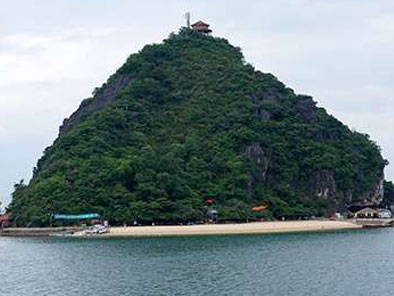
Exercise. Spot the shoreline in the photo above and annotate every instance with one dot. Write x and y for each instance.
(222, 229)
(268, 227)
(36, 231)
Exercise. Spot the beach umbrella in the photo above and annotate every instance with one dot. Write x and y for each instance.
(263, 206)
(258, 209)
(210, 201)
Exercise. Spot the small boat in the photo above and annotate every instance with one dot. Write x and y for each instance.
(94, 230)
(97, 229)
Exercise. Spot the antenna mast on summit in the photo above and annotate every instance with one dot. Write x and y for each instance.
(187, 16)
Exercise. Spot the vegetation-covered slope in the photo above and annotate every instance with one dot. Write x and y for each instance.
(188, 120)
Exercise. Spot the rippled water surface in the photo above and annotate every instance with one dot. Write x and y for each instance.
(357, 262)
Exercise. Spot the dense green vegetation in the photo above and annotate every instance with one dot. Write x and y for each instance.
(181, 132)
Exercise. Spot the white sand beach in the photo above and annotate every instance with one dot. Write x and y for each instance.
(245, 228)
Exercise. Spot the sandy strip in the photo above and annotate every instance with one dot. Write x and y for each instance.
(246, 228)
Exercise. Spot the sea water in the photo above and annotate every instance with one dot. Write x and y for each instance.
(357, 262)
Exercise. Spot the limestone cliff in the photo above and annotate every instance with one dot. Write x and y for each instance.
(189, 120)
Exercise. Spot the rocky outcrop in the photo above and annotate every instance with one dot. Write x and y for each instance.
(305, 108)
(259, 159)
(323, 184)
(372, 197)
(103, 97)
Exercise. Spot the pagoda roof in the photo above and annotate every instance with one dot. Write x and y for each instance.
(200, 23)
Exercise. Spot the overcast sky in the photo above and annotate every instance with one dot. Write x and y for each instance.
(53, 53)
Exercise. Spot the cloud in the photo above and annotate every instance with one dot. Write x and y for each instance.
(37, 57)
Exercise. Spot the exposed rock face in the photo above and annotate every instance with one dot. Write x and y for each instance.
(323, 184)
(373, 197)
(263, 114)
(104, 97)
(260, 160)
(306, 108)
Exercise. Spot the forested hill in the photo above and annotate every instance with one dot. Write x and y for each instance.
(187, 120)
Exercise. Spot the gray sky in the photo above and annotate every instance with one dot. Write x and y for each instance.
(53, 54)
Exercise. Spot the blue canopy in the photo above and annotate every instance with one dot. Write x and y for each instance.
(76, 217)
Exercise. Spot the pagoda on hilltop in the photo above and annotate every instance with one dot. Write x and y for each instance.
(201, 27)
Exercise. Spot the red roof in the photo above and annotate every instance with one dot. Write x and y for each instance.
(200, 23)
(5, 217)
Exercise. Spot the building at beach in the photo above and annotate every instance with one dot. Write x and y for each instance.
(366, 213)
(369, 213)
(384, 214)
(5, 220)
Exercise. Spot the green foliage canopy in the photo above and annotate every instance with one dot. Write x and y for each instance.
(179, 133)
